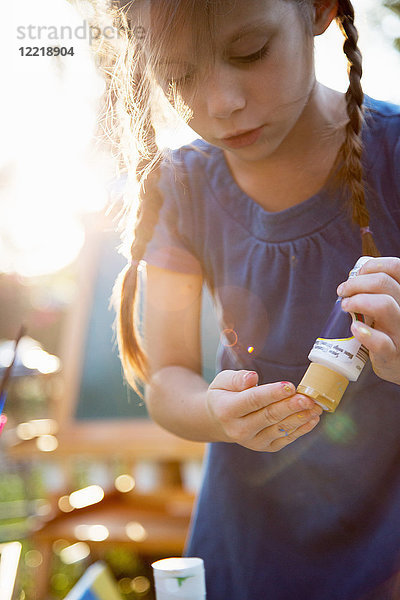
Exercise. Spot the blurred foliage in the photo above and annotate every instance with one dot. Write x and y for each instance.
(124, 565)
(42, 304)
(64, 576)
(20, 487)
(394, 5)
(11, 487)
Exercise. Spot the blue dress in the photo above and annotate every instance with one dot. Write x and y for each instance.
(320, 519)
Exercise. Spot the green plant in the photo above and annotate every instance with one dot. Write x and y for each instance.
(394, 5)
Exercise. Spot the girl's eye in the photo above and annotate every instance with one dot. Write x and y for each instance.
(180, 81)
(249, 58)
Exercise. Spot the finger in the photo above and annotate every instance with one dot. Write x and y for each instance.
(234, 381)
(371, 283)
(285, 437)
(294, 422)
(376, 342)
(290, 412)
(386, 264)
(381, 308)
(256, 398)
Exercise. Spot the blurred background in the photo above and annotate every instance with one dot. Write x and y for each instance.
(85, 475)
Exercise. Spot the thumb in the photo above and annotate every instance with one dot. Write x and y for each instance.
(234, 381)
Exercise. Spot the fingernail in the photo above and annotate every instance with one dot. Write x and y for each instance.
(344, 302)
(340, 289)
(363, 330)
(249, 376)
(287, 386)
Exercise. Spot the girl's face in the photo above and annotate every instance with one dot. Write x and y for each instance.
(251, 96)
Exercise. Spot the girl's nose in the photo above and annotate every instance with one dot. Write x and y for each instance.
(224, 93)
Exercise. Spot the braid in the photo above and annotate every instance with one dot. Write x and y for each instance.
(350, 153)
(137, 102)
(133, 357)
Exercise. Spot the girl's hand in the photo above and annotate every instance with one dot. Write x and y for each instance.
(264, 418)
(375, 293)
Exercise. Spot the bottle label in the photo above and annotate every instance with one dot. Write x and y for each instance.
(336, 340)
(337, 347)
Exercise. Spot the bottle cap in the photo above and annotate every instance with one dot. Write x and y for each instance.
(325, 386)
(179, 578)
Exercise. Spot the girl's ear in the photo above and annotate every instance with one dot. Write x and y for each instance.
(324, 13)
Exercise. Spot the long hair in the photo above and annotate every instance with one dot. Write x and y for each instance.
(350, 153)
(133, 86)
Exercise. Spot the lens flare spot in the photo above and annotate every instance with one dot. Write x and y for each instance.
(93, 533)
(59, 581)
(86, 496)
(47, 443)
(229, 338)
(136, 532)
(64, 504)
(74, 553)
(125, 585)
(140, 585)
(59, 545)
(124, 483)
(250, 349)
(33, 558)
(340, 428)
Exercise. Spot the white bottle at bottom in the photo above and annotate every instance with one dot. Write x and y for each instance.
(179, 579)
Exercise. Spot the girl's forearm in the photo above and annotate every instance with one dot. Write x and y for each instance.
(176, 399)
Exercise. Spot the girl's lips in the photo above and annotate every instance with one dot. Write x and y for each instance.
(242, 139)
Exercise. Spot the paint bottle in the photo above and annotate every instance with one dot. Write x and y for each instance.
(179, 579)
(336, 356)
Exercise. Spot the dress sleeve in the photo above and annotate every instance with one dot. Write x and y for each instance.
(170, 246)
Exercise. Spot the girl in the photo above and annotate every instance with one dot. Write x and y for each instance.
(258, 209)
